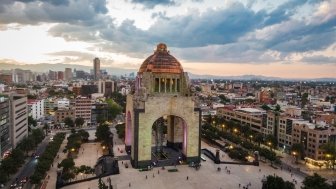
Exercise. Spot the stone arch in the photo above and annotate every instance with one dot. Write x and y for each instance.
(173, 122)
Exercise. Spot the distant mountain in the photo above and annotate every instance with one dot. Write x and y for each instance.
(45, 67)
(258, 78)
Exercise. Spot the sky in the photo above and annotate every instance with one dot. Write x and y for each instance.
(291, 39)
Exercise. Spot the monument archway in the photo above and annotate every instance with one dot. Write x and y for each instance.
(162, 90)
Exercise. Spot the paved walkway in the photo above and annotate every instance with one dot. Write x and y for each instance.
(51, 182)
(206, 177)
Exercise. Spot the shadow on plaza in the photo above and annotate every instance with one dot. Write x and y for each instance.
(106, 165)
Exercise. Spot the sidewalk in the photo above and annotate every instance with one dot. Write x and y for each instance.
(51, 182)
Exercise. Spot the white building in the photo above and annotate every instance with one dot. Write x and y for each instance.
(63, 103)
(36, 108)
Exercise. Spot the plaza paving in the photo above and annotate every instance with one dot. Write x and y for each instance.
(206, 177)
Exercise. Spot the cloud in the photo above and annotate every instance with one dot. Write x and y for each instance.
(319, 59)
(51, 11)
(236, 33)
(149, 4)
(75, 57)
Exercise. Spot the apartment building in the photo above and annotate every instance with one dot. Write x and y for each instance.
(312, 136)
(83, 107)
(61, 114)
(19, 118)
(253, 117)
(36, 108)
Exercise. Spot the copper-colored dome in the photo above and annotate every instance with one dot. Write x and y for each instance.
(161, 62)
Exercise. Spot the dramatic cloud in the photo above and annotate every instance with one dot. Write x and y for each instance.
(230, 32)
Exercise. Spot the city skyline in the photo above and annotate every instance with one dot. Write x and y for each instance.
(289, 39)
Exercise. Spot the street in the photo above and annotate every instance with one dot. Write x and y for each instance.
(29, 167)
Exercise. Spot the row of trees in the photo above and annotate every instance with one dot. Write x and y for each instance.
(70, 171)
(79, 121)
(14, 161)
(311, 182)
(232, 135)
(47, 158)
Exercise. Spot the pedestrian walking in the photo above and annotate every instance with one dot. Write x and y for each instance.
(129, 184)
(146, 177)
(239, 185)
(187, 178)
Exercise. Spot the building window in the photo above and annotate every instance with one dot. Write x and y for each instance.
(168, 85)
(162, 85)
(177, 85)
(157, 85)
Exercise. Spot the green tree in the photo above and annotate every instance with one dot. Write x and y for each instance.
(121, 130)
(315, 182)
(246, 130)
(32, 121)
(271, 141)
(79, 121)
(38, 136)
(113, 109)
(27, 144)
(67, 164)
(84, 135)
(330, 152)
(277, 108)
(18, 156)
(297, 150)
(46, 128)
(259, 138)
(275, 182)
(9, 165)
(103, 133)
(69, 122)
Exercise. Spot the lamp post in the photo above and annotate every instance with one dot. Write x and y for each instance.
(235, 130)
(295, 156)
(270, 145)
(223, 126)
(328, 156)
(251, 136)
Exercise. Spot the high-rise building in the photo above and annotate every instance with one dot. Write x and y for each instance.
(106, 87)
(5, 143)
(19, 118)
(60, 75)
(68, 74)
(96, 68)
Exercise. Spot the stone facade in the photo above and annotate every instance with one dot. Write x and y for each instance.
(161, 91)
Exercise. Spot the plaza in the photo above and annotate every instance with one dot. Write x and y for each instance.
(206, 177)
